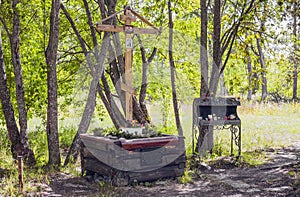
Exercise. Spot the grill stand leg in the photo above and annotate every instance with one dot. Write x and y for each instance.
(236, 138)
(204, 139)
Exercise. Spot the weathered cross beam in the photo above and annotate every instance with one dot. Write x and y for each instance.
(128, 17)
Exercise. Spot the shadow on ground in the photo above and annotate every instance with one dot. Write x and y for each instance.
(279, 177)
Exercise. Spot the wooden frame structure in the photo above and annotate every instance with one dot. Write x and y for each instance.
(128, 17)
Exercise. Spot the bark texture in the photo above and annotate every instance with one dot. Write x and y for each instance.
(145, 73)
(8, 111)
(264, 92)
(14, 38)
(96, 72)
(52, 109)
(249, 69)
(27, 153)
(172, 71)
(296, 48)
(217, 57)
(203, 50)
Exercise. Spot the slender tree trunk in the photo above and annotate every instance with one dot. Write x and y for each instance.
(97, 72)
(263, 72)
(203, 50)
(8, 111)
(172, 71)
(118, 116)
(90, 104)
(52, 110)
(250, 74)
(110, 109)
(217, 58)
(223, 91)
(145, 73)
(204, 89)
(16, 61)
(115, 114)
(249, 69)
(206, 137)
(295, 72)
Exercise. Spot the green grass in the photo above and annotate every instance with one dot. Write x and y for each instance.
(263, 126)
(269, 125)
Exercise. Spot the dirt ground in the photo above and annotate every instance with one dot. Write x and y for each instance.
(280, 176)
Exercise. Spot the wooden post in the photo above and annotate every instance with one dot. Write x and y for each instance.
(128, 29)
(128, 19)
(20, 169)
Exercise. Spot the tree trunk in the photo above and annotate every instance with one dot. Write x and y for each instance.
(90, 104)
(119, 117)
(27, 153)
(172, 71)
(249, 69)
(263, 72)
(220, 46)
(90, 63)
(223, 91)
(52, 110)
(217, 58)
(116, 75)
(250, 74)
(97, 72)
(295, 72)
(106, 97)
(207, 137)
(8, 111)
(204, 89)
(145, 73)
(203, 50)
(110, 109)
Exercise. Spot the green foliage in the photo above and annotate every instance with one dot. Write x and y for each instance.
(254, 158)
(147, 131)
(8, 167)
(66, 135)
(187, 177)
(4, 143)
(38, 142)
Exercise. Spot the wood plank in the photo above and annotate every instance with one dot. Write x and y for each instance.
(144, 20)
(98, 167)
(165, 172)
(128, 88)
(135, 161)
(137, 30)
(105, 170)
(127, 17)
(149, 144)
(96, 139)
(116, 28)
(109, 28)
(128, 77)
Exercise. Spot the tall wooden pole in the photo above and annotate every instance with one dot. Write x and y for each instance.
(128, 75)
(128, 19)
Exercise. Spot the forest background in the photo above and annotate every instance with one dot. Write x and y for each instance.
(48, 50)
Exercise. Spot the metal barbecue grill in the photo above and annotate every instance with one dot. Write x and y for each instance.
(211, 114)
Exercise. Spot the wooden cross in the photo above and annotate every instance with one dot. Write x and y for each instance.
(128, 17)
